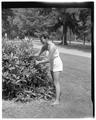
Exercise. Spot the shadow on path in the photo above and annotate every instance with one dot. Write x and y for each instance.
(76, 46)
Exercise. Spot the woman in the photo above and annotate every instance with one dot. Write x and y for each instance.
(56, 65)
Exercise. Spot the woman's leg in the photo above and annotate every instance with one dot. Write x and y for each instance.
(56, 76)
(52, 75)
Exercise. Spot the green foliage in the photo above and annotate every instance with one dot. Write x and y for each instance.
(22, 79)
(84, 28)
(34, 21)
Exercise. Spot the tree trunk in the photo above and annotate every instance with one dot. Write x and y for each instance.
(70, 36)
(65, 35)
(75, 37)
(84, 40)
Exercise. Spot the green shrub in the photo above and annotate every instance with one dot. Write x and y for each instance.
(22, 79)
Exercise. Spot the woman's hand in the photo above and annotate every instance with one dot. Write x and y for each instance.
(36, 55)
(37, 62)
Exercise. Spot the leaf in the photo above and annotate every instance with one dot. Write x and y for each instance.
(18, 81)
(11, 68)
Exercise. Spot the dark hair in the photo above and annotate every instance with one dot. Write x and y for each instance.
(44, 36)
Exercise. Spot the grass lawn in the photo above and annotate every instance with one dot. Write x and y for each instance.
(75, 97)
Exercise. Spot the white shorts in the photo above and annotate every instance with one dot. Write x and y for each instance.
(56, 65)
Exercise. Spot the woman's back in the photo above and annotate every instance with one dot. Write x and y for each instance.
(52, 50)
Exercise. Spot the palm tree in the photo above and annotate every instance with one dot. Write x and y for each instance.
(67, 19)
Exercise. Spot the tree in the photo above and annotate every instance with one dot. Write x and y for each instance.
(64, 17)
(35, 21)
(85, 26)
(6, 20)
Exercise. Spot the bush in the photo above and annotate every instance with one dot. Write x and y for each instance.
(22, 79)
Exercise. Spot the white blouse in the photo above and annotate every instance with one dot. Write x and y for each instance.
(52, 51)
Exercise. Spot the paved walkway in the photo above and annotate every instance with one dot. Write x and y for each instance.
(37, 44)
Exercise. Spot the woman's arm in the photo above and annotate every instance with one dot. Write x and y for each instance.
(42, 61)
(50, 56)
(42, 50)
